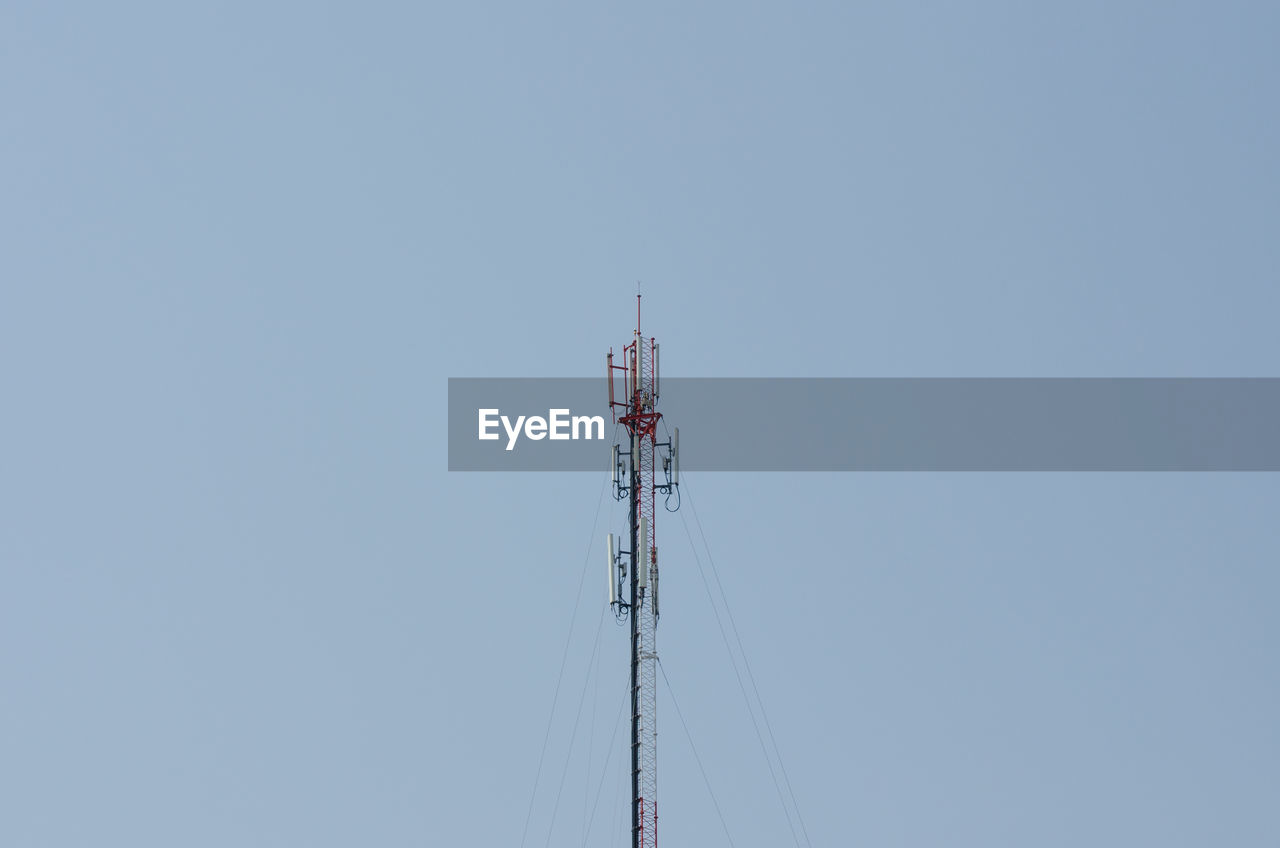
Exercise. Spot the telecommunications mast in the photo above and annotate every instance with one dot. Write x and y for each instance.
(633, 573)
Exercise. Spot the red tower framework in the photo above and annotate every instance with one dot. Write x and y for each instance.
(634, 478)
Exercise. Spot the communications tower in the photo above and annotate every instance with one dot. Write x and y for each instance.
(633, 573)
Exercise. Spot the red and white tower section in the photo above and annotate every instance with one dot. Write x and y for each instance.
(648, 465)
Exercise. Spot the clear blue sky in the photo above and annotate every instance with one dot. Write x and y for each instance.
(243, 246)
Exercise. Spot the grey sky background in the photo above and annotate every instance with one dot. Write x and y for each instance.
(245, 245)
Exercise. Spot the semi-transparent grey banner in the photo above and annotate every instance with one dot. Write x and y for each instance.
(802, 424)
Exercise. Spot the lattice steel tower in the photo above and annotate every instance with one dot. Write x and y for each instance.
(633, 573)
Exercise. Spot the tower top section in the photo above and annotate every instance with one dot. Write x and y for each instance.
(635, 405)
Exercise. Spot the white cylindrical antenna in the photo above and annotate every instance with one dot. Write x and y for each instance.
(657, 371)
(675, 456)
(643, 553)
(608, 373)
(614, 468)
(653, 592)
(635, 378)
(613, 573)
(635, 455)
